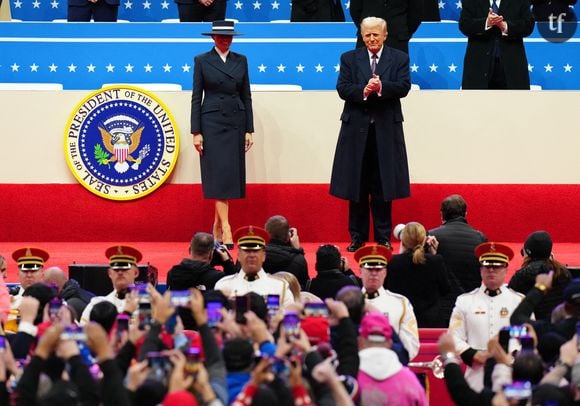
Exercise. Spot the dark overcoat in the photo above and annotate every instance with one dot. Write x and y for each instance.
(481, 43)
(221, 110)
(403, 17)
(355, 72)
(316, 10)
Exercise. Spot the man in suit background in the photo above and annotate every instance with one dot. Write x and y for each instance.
(371, 158)
(316, 11)
(495, 57)
(402, 16)
(191, 11)
(97, 10)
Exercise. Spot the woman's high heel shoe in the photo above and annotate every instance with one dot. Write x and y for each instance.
(227, 235)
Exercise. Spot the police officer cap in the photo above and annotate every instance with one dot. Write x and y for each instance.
(30, 259)
(123, 256)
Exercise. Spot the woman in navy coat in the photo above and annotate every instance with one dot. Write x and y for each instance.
(418, 275)
(222, 123)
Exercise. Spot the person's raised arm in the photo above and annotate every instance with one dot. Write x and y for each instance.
(457, 386)
(347, 346)
(28, 384)
(112, 389)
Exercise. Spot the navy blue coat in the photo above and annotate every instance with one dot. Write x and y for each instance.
(355, 72)
(86, 2)
(221, 110)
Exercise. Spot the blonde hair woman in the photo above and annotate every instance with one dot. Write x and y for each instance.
(419, 274)
(299, 296)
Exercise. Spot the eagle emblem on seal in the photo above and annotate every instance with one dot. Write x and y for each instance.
(121, 137)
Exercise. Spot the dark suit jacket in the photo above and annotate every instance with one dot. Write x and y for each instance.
(355, 71)
(403, 17)
(481, 43)
(281, 256)
(192, 274)
(316, 10)
(327, 283)
(86, 2)
(457, 242)
(221, 110)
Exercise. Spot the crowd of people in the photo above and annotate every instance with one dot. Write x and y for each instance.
(259, 330)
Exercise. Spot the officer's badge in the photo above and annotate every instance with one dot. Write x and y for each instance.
(504, 312)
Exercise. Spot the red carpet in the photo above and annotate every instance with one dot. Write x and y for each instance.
(165, 254)
(69, 222)
(69, 213)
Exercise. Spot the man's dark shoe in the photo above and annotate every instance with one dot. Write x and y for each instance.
(355, 245)
(385, 244)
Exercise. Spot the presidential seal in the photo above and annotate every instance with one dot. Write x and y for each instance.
(121, 142)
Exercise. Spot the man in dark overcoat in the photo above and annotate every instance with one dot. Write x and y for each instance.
(97, 10)
(495, 57)
(316, 11)
(402, 16)
(371, 158)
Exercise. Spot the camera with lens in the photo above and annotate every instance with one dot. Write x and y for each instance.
(218, 250)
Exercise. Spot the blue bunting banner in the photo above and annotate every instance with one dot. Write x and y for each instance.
(159, 10)
(86, 56)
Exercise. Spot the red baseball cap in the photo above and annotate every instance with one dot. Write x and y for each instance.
(316, 328)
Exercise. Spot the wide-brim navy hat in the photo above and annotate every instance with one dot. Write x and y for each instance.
(222, 27)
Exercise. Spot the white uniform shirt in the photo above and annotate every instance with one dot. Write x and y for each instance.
(476, 318)
(111, 297)
(401, 316)
(238, 285)
(16, 300)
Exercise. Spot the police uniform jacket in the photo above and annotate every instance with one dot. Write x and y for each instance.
(264, 284)
(401, 316)
(221, 110)
(476, 318)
